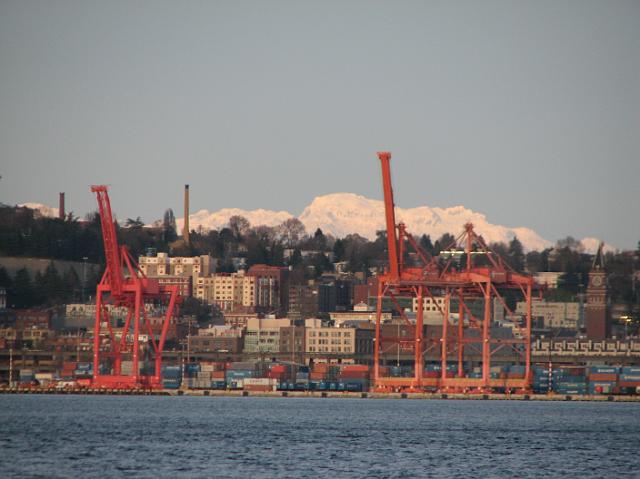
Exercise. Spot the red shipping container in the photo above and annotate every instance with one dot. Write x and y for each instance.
(603, 377)
(354, 374)
(278, 368)
(629, 384)
(217, 375)
(355, 367)
(431, 374)
(316, 376)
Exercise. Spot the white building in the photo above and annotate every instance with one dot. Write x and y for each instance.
(554, 314)
(227, 290)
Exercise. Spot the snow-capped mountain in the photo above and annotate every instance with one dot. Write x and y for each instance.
(340, 214)
(590, 245)
(43, 210)
(219, 219)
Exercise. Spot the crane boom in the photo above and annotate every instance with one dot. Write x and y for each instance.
(111, 248)
(392, 239)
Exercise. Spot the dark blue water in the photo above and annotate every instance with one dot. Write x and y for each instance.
(94, 436)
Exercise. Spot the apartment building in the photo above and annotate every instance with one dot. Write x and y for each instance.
(227, 290)
(161, 264)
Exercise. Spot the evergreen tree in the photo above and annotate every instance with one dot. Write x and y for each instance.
(22, 294)
(339, 250)
(319, 240)
(5, 279)
(516, 255)
(426, 244)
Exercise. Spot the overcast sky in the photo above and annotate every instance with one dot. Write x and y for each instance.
(528, 112)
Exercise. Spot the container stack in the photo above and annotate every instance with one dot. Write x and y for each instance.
(68, 370)
(630, 378)
(171, 377)
(603, 379)
(236, 373)
(354, 377)
(569, 381)
(26, 376)
(126, 367)
(541, 380)
(201, 380)
(260, 384)
(44, 379)
(85, 370)
(514, 371)
(216, 374)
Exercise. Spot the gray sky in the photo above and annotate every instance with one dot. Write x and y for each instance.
(528, 112)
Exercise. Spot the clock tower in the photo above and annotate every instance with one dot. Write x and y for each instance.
(596, 310)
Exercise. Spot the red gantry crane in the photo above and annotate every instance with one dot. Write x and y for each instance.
(478, 275)
(130, 291)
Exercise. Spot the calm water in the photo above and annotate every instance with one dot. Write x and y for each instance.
(93, 436)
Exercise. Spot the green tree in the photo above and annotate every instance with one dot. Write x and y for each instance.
(339, 250)
(5, 279)
(516, 256)
(22, 293)
(426, 244)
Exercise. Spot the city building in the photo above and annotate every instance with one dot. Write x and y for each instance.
(343, 341)
(32, 318)
(238, 320)
(292, 340)
(227, 290)
(547, 278)
(368, 315)
(272, 286)
(161, 264)
(263, 335)
(217, 344)
(553, 314)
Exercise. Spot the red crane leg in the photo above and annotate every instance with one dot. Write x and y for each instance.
(376, 346)
(136, 335)
(445, 339)
(486, 344)
(96, 333)
(460, 333)
(419, 332)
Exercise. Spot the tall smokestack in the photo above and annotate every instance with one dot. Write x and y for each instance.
(185, 229)
(61, 214)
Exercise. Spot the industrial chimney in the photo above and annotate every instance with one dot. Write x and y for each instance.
(61, 213)
(185, 229)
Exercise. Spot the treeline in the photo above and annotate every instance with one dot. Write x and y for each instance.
(50, 288)
(309, 254)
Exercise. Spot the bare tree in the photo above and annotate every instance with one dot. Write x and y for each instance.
(291, 231)
(239, 226)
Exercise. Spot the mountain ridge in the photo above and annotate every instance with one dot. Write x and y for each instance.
(340, 214)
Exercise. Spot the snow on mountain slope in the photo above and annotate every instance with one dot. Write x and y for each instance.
(344, 213)
(43, 210)
(591, 244)
(340, 214)
(219, 219)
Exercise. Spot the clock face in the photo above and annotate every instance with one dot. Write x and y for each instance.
(597, 281)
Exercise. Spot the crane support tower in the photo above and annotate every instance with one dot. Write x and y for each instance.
(467, 271)
(131, 291)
